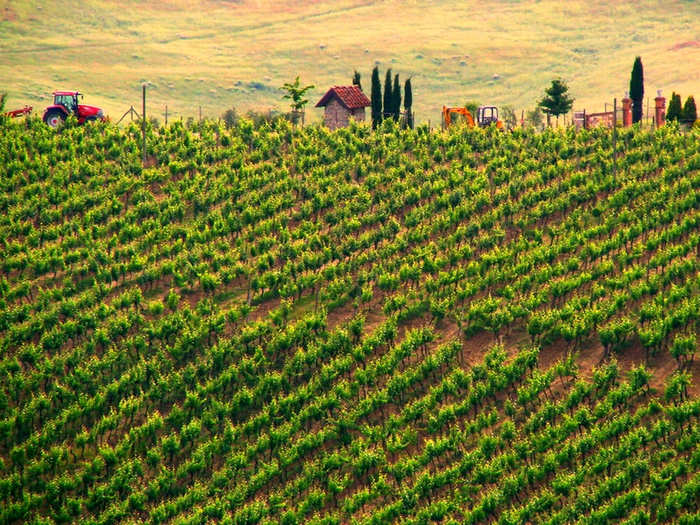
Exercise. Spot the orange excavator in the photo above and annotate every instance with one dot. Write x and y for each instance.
(485, 116)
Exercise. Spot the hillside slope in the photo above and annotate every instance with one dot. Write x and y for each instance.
(285, 326)
(218, 54)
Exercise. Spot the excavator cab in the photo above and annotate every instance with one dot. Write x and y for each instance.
(487, 115)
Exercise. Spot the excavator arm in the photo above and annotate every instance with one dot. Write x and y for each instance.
(453, 115)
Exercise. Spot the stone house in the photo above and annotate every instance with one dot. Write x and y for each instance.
(342, 103)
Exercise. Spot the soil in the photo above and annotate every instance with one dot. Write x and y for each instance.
(9, 14)
(682, 45)
(592, 355)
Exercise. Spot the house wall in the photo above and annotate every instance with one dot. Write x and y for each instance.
(338, 116)
(359, 114)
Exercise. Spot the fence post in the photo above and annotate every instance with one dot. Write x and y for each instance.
(614, 137)
(648, 115)
(166, 114)
(143, 125)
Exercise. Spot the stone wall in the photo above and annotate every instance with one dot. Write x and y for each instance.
(359, 114)
(338, 116)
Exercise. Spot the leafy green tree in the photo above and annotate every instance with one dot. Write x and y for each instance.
(556, 100)
(376, 98)
(675, 110)
(509, 117)
(637, 89)
(534, 118)
(408, 102)
(295, 93)
(356, 79)
(690, 111)
(472, 106)
(388, 94)
(230, 117)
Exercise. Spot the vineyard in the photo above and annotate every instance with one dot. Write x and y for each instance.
(284, 325)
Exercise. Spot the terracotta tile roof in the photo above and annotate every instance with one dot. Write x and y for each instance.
(351, 97)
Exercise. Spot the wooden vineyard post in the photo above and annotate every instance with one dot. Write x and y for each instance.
(614, 137)
(143, 126)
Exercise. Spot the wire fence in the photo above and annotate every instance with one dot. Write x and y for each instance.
(608, 114)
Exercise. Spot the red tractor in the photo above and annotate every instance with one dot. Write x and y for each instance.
(65, 103)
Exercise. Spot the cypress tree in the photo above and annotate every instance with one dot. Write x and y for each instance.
(408, 102)
(356, 80)
(690, 111)
(396, 98)
(388, 93)
(674, 108)
(376, 98)
(637, 89)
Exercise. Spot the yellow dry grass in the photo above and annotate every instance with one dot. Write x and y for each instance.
(219, 54)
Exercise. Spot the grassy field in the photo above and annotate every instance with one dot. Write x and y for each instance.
(218, 54)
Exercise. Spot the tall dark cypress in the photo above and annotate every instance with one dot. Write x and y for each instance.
(690, 111)
(637, 89)
(408, 102)
(356, 80)
(388, 92)
(396, 98)
(675, 110)
(376, 98)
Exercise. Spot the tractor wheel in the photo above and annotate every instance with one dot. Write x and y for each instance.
(54, 118)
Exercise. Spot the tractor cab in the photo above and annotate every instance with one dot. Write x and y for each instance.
(69, 100)
(487, 115)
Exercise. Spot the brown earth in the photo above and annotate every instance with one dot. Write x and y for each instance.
(682, 45)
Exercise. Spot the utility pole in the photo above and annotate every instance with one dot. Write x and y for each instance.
(143, 126)
(614, 137)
